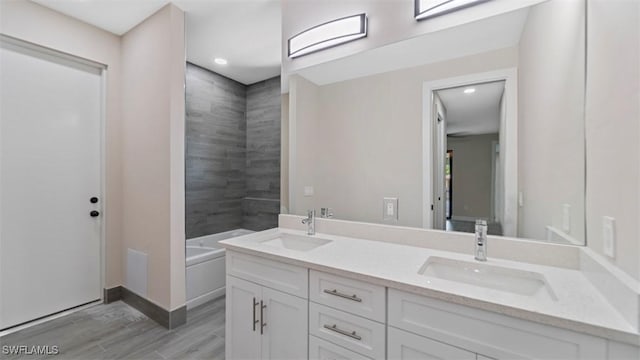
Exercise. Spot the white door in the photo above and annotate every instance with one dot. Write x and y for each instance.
(243, 319)
(286, 331)
(50, 168)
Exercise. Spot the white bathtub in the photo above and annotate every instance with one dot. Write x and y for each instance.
(206, 268)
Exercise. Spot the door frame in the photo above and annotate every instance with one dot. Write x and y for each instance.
(508, 141)
(47, 52)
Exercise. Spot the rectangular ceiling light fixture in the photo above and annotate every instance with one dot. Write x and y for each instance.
(327, 35)
(425, 9)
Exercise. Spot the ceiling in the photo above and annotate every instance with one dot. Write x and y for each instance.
(473, 114)
(493, 33)
(247, 33)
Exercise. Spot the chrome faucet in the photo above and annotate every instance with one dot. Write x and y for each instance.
(326, 213)
(481, 240)
(311, 222)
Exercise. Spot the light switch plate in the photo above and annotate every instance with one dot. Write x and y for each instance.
(609, 236)
(308, 190)
(520, 199)
(390, 209)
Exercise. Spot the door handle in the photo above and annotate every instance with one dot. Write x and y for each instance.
(262, 322)
(94, 213)
(255, 321)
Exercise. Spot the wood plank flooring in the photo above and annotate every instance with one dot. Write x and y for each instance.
(118, 331)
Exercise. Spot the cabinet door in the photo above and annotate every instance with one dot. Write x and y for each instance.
(285, 320)
(243, 315)
(405, 346)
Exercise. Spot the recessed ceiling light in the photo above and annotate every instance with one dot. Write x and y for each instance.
(469, 90)
(220, 61)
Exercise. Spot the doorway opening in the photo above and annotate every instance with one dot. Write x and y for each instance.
(469, 119)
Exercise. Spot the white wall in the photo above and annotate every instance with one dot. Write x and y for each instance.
(361, 140)
(153, 68)
(472, 176)
(33, 23)
(613, 128)
(551, 118)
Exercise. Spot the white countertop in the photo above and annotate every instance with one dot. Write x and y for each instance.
(579, 306)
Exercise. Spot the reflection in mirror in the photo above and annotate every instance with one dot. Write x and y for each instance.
(468, 176)
(484, 120)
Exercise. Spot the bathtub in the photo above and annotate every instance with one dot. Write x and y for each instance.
(206, 268)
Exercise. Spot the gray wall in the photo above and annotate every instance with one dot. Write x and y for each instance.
(262, 204)
(232, 153)
(471, 176)
(215, 152)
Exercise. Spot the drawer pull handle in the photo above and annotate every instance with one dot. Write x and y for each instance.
(335, 292)
(335, 328)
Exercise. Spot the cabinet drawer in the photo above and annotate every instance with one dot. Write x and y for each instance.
(353, 296)
(407, 346)
(276, 275)
(323, 350)
(353, 332)
(493, 335)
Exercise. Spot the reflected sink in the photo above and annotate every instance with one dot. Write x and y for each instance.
(297, 243)
(521, 282)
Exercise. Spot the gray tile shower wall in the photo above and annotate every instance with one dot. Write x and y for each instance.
(232, 153)
(262, 204)
(215, 152)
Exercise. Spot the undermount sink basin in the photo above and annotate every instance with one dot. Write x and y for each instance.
(297, 243)
(521, 282)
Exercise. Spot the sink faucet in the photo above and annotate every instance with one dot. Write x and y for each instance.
(311, 222)
(326, 213)
(481, 240)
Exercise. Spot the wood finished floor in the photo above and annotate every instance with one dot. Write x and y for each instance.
(118, 331)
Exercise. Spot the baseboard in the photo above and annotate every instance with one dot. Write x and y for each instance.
(169, 319)
(112, 294)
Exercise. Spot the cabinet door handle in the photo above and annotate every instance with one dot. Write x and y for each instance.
(335, 292)
(255, 321)
(263, 323)
(335, 328)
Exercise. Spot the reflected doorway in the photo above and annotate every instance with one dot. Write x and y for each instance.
(468, 124)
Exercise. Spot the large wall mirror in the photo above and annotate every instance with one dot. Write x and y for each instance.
(484, 120)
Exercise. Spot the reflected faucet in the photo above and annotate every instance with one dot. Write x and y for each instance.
(481, 240)
(326, 213)
(311, 222)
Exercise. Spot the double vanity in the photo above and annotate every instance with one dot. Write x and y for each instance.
(292, 296)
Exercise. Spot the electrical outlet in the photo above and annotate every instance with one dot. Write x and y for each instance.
(390, 209)
(609, 236)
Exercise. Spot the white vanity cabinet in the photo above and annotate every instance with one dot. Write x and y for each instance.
(348, 313)
(275, 310)
(404, 345)
(483, 333)
(266, 317)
